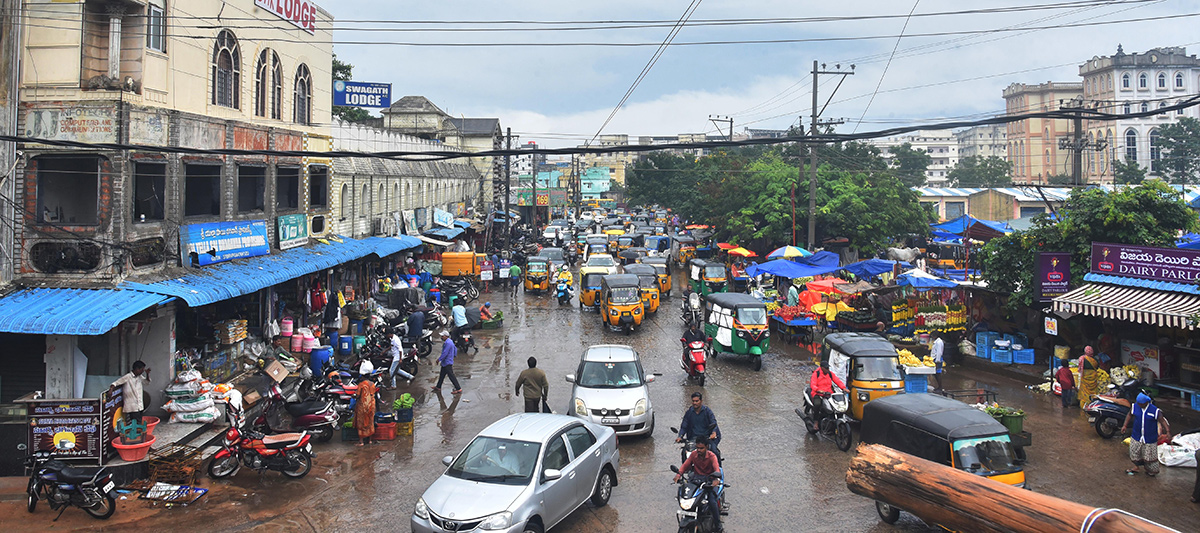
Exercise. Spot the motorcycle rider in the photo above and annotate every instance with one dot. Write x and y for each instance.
(397, 352)
(699, 421)
(821, 387)
(704, 463)
(416, 325)
(460, 319)
(693, 334)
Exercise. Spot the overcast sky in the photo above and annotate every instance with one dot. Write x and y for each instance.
(560, 95)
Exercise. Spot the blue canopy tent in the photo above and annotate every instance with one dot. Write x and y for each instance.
(444, 233)
(939, 235)
(974, 228)
(873, 267)
(922, 281)
(816, 264)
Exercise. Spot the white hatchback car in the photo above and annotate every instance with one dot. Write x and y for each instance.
(604, 261)
(612, 389)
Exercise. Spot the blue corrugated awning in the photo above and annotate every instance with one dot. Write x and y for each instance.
(385, 246)
(57, 311)
(1169, 286)
(444, 233)
(235, 278)
(462, 224)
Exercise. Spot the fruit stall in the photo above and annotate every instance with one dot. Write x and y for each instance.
(793, 324)
(916, 371)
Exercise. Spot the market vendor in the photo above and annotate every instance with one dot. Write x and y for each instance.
(131, 390)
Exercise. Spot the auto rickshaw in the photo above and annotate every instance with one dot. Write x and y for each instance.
(662, 268)
(945, 431)
(737, 324)
(946, 255)
(621, 302)
(867, 363)
(596, 244)
(589, 285)
(631, 255)
(537, 274)
(647, 285)
(707, 277)
(683, 249)
(658, 245)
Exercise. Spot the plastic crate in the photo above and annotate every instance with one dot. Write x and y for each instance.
(916, 384)
(404, 428)
(404, 415)
(385, 431)
(1002, 356)
(1023, 357)
(349, 434)
(1196, 401)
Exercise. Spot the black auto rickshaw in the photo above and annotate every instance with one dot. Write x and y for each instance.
(867, 363)
(647, 285)
(621, 302)
(945, 431)
(537, 274)
(662, 267)
(708, 277)
(737, 323)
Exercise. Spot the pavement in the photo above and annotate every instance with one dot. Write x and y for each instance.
(782, 479)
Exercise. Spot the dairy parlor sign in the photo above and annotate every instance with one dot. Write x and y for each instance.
(1146, 262)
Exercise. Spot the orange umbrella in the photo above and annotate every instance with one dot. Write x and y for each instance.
(828, 286)
(742, 252)
(726, 246)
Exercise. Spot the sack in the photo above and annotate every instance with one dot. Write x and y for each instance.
(187, 375)
(188, 405)
(1175, 455)
(190, 389)
(197, 417)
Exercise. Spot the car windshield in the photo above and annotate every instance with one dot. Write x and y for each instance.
(496, 460)
(624, 241)
(624, 295)
(877, 369)
(994, 455)
(647, 281)
(602, 261)
(537, 266)
(714, 271)
(601, 375)
(752, 316)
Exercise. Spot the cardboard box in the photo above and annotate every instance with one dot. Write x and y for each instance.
(251, 398)
(276, 371)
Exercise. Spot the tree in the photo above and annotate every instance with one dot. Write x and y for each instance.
(1061, 179)
(910, 165)
(1180, 147)
(976, 171)
(345, 72)
(1128, 173)
(869, 210)
(1151, 214)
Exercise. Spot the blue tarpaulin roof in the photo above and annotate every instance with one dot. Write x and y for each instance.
(1190, 241)
(462, 224)
(816, 264)
(57, 311)
(873, 267)
(980, 229)
(231, 279)
(1170, 286)
(444, 233)
(924, 282)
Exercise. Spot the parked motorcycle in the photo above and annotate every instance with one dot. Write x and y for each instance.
(563, 293)
(316, 416)
(462, 287)
(694, 514)
(1109, 410)
(289, 453)
(89, 487)
(693, 360)
(831, 421)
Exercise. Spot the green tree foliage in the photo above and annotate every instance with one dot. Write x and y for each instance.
(976, 171)
(1180, 144)
(867, 209)
(910, 165)
(1061, 179)
(1128, 173)
(345, 72)
(1151, 214)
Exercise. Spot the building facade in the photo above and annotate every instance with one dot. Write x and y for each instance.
(983, 141)
(613, 162)
(1033, 143)
(941, 145)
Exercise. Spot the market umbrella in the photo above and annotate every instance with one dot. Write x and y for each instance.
(696, 226)
(827, 286)
(726, 246)
(742, 252)
(788, 252)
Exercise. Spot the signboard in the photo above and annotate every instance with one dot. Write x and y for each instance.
(443, 218)
(1146, 262)
(1051, 326)
(362, 94)
(215, 242)
(460, 209)
(69, 428)
(410, 222)
(544, 198)
(1143, 355)
(293, 231)
(422, 217)
(301, 13)
(82, 124)
(111, 404)
(1053, 275)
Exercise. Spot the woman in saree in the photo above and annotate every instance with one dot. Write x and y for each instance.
(364, 412)
(1088, 376)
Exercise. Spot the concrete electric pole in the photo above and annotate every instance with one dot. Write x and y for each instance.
(812, 146)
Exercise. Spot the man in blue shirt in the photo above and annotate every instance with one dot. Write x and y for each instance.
(1143, 444)
(699, 421)
(449, 351)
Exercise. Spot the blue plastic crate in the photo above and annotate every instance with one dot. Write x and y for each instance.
(1002, 356)
(1023, 357)
(916, 384)
(1196, 401)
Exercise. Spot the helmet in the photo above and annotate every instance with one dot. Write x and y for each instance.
(487, 304)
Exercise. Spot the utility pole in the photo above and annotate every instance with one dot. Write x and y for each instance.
(725, 120)
(812, 146)
(533, 201)
(507, 187)
(1077, 144)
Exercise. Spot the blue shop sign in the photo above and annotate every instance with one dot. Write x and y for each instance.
(362, 94)
(215, 242)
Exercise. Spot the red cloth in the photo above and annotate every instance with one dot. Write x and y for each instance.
(703, 465)
(822, 382)
(1064, 377)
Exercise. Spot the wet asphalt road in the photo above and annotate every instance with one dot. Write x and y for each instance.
(783, 479)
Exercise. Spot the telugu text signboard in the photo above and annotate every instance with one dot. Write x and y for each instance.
(1146, 262)
(362, 94)
(68, 428)
(293, 231)
(301, 13)
(215, 242)
(1053, 275)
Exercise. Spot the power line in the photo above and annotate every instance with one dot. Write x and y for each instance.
(887, 65)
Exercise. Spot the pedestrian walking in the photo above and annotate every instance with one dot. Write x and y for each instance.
(1066, 383)
(533, 385)
(364, 412)
(514, 272)
(1088, 377)
(936, 351)
(1147, 424)
(449, 351)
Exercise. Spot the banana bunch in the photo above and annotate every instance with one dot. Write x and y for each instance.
(928, 361)
(908, 359)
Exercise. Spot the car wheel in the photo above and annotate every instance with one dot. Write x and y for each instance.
(604, 487)
(650, 432)
(887, 513)
(533, 528)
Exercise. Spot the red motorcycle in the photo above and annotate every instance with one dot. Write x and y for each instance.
(693, 360)
(289, 453)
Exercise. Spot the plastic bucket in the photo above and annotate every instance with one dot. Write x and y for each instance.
(133, 452)
(150, 422)
(285, 327)
(345, 344)
(308, 344)
(1014, 423)
(359, 342)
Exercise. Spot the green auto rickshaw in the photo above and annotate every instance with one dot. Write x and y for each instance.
(737, 323)
(708, 277)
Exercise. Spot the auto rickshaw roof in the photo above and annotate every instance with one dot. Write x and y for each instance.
(861, 344)
(734, 300)
(583, 271)
(645, 270)
(699, 262)
(944, 417)
(537, 259)
(618, 281)
(683, 239)
(654, 261)
(597, 239)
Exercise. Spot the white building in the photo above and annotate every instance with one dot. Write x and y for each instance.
(983, 141)
(941, 145)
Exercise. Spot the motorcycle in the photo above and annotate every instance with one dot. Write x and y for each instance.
(691, 310)
(563, 293)
(289, 453)
(463, 287)
(317, 416)
(830, 421)
(694, 514)
(89, 488)
(693, 360)
(464, 340)
(1109, 410)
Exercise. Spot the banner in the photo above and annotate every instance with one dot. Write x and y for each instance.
(410, 223)
(69, 428)
(1053, 275)
(293, 231)
(362, 94)
(215, 242)
(443, 218)
(1146, 262)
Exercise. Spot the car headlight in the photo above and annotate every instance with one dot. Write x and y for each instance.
(637, 310)
(686, 503)
(497, 521)
(640, 407)
(580, 407)
(421, 510)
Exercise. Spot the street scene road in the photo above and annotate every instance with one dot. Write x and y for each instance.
(782, 479)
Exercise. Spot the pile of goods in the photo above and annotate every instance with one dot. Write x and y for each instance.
(230, 331)
(772, 307)
(908, 359)
(788, 313)
(191, 399)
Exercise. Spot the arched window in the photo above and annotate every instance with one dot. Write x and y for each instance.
(1108, 81)
(1162, 105)
(1180, 110)
(226, 71)
(345, 201)
(267, 84)
(1091, 156)
(303, 94)
(382, 198)
(396, 196)
(1131, 139)
(1161, 82)
(1109, 151)
(406, 201)
(1125, 80)
(1145, 107)
(276, 87)
(1143, 81)
(1178, 80)
(1127, 108)
(1155, 151)
(365, 202)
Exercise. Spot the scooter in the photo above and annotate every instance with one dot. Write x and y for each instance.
(1109, 410)
(317, 416)
(564, 293)
(830, 421)
(693, 360)
(289, 453)
(88, 487)
(694, 514)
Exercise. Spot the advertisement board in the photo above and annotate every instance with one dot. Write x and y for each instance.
(215, 242)
(443, 218)
(292, 230)
(410, 222)
(301, 13)
(82, 124)
(1053, 275)
(1146, 262)
(362, 94)
(69, 428)
(1143, 355)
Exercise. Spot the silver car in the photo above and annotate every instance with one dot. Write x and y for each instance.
(524, 473)
(611, 389)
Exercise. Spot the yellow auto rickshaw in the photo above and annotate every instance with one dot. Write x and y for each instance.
(683, 250)
(589, 285)
(621, 302)
(867, 363)
(612, 233)
(537, 274)
(647, 286)
(662, 268)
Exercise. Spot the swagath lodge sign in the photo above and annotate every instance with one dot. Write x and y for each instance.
(301, 13)
(1146, 262)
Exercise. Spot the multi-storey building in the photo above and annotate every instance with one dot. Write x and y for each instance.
(615, 161)
(983, 141)
(941, 145)
(1033, 148)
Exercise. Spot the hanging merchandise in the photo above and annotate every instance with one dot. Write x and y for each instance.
(341, 299)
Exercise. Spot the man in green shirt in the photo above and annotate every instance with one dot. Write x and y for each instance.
(514, 273)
